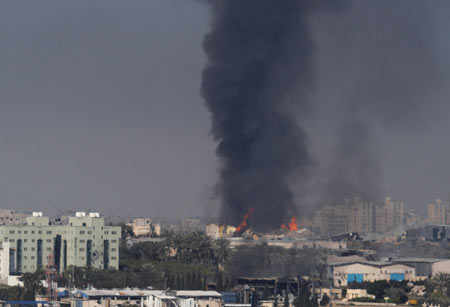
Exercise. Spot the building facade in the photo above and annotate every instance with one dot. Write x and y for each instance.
(357, 215)
(84, 241)
(438, 213)
(361, 271)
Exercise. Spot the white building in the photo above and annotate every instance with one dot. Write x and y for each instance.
(360, 271)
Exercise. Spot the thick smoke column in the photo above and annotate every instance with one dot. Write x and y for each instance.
(257, 51)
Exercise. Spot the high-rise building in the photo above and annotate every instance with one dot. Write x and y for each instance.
(389, 215)
(84, 241)
(356, 215)
(438, 213)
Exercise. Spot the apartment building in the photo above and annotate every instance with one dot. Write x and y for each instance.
(438, 213)
(389, 215)
(356, 215)
(84, 241)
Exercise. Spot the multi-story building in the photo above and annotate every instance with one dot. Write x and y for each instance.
(12, 217)
(145, 227)
(84, 241)
(438, 213)
(356, 215)
(389, 215)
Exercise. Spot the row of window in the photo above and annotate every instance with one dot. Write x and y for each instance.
(49, 232)
(26, 240)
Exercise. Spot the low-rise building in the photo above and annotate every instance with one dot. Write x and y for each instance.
(427, 267)
(145, 298)
(145, 227)
(360, 271)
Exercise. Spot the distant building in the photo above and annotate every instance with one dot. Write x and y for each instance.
(360, 271)
(389, 215)
(427, 267)
(145, 298)
(12, 217)
(356, 215)
(145, 227)
(438, 213)
(84, 241)
(219, 231)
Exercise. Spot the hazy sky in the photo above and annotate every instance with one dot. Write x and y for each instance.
(100, 105)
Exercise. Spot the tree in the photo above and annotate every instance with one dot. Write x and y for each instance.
(32, 285)
(325, 300)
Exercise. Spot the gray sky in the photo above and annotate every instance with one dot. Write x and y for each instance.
(100, 107)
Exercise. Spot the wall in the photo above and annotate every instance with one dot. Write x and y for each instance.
(440, 267)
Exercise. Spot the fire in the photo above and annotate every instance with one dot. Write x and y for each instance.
(244, 220)
(293, 224)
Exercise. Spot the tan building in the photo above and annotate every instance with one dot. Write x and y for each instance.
(438, 213)
(356, 215)
(12, 217)
(389, 215)
(145, 227)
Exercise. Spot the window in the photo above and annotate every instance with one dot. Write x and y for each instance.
(49, 232)
(32, 249)
(49, 248)
(40, 232)
(32, 231)
(32, 257)
(113, 258)
(82, 241)
(11, 231)
(25, 231)
(12, 240)
(25, 240)
(113, 232)
(113, 241)
(25, 248)
(81, 232)
(32, 240)
(49, 240)
(82, 249)
(113, 249)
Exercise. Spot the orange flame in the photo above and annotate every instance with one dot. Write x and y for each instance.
(293, 224)
(244, 220)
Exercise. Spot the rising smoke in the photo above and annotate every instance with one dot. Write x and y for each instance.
(376, 70)
(257, 51)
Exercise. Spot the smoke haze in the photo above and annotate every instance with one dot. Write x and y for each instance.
(257, 51)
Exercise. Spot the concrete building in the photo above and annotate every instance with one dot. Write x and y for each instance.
(145, 227)
(83, 241)
(356, 215)
(427, 267)
(145, 298)
(438, 213)
(12, 217)
(359, 271)
(389, 215)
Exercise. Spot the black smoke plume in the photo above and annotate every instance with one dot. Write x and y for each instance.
(257, 51)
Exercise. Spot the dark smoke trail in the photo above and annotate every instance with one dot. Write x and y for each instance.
(257, 50)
